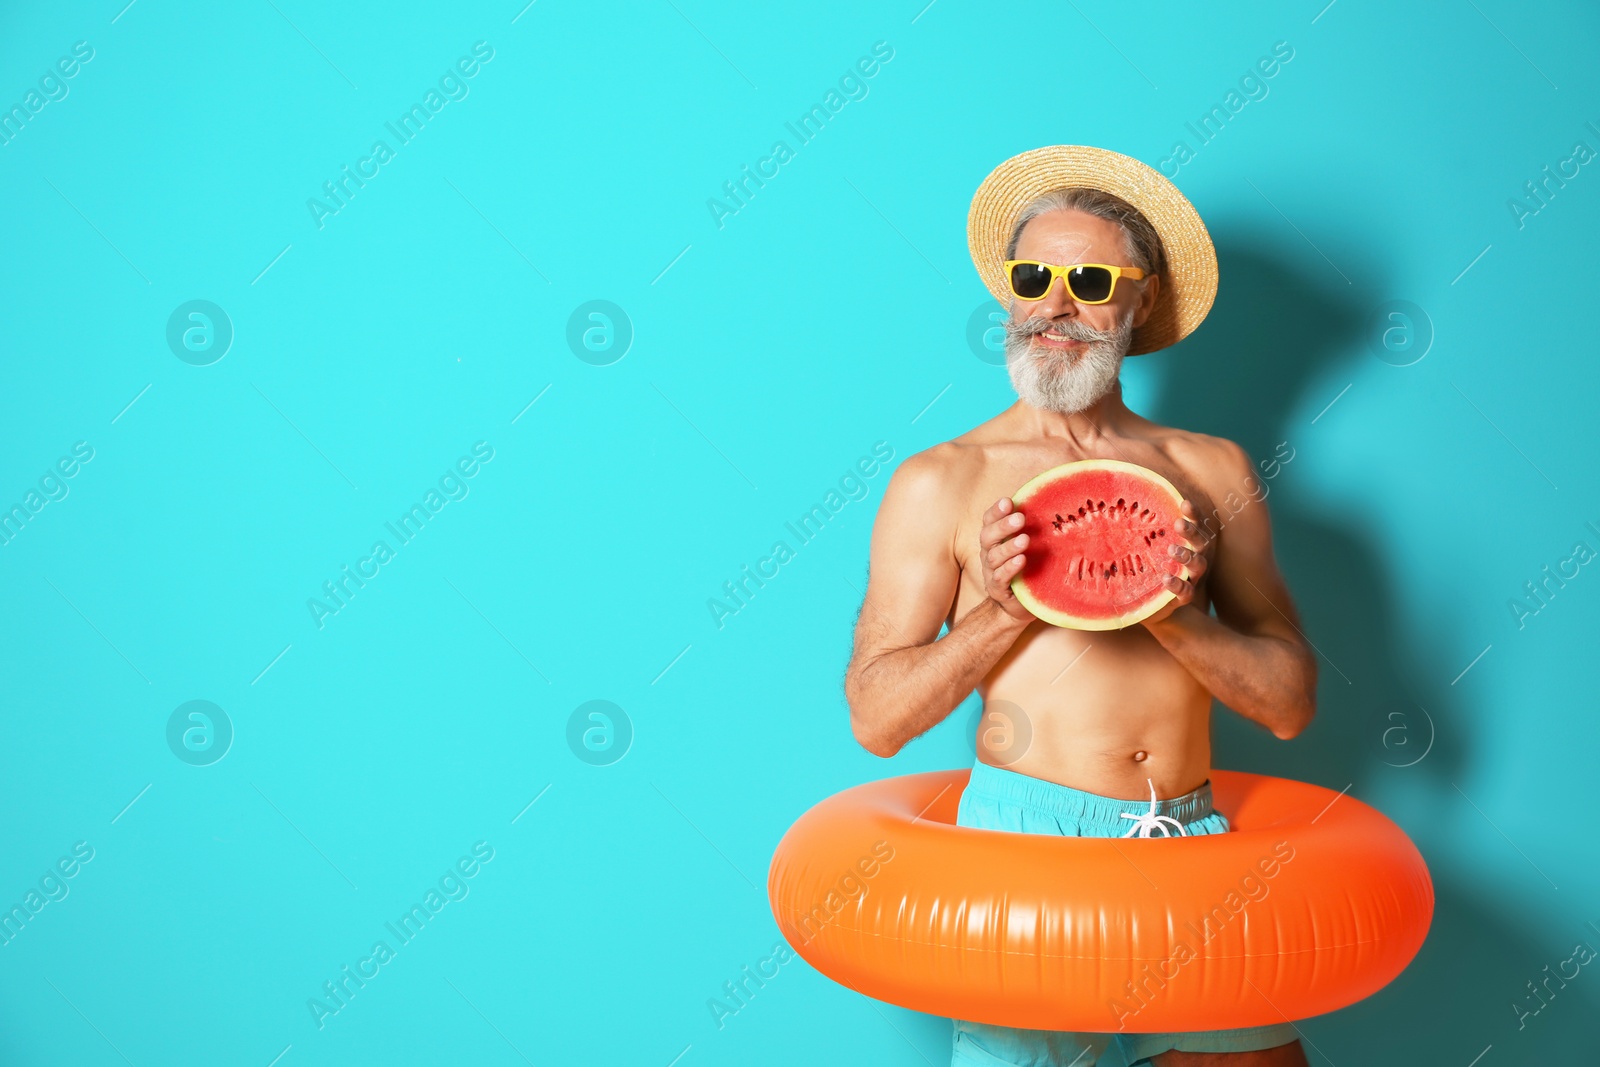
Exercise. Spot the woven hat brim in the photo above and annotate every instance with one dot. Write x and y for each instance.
(1190, 284)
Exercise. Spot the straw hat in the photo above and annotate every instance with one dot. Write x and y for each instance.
(1189, 283)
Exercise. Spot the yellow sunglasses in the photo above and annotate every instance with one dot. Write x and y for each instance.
(1087, 283)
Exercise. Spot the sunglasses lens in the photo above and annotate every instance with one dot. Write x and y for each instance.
(1090, 284)
(1029, 280)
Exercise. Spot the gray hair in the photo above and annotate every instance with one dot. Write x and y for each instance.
(1140, 241)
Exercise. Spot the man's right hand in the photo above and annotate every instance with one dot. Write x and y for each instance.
(1000, 546)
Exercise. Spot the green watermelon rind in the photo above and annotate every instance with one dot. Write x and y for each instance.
(1047, 614)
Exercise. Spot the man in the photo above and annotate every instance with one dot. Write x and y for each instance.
(1114, 718)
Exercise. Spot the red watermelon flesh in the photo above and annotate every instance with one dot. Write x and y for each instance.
(1098, 533)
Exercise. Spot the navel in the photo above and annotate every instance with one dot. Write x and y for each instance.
(1141, 755)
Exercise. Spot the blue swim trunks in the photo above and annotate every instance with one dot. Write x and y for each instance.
(998, 799)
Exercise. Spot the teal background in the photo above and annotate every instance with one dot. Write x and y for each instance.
(829, 313)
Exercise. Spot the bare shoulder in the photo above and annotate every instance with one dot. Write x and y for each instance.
(930, 482)
(1217, 465)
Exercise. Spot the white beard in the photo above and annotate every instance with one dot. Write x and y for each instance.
(1060, 381)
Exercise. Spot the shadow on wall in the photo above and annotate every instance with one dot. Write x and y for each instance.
(1272, 334)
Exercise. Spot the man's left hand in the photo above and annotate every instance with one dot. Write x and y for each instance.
(1189, 548)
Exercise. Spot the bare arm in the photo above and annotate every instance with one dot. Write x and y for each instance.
(903, 679)
(1252, 656)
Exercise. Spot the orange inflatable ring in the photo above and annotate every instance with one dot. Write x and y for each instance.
(1311, 902)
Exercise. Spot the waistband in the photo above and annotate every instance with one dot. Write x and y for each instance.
(1066, 801)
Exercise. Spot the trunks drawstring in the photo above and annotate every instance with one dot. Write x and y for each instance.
(1146, 821)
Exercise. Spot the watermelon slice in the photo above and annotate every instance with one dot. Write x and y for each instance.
(1098, 532)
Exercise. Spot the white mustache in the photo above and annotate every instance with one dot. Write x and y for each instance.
(1071, 329)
